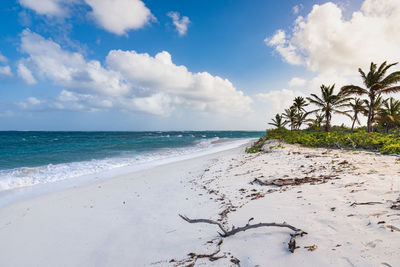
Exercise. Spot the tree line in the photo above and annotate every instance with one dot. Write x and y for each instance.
(351, 101)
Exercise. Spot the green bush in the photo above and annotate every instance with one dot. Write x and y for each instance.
(339, 138)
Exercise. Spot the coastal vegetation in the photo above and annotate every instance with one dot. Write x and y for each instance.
(381, 132)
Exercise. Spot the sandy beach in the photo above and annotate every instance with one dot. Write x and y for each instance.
(349, 204)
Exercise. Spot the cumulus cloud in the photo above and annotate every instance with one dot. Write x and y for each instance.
(296, 82)
(128, 80)
(181, 23)
(116, 16)
(120, 16)
(51, 8)
(284, 47)
(68, 69)
(201, 90)
(5, 71)
(25, 74)
(325, 41)
(279, 99)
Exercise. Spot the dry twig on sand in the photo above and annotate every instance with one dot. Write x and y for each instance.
(365, 203)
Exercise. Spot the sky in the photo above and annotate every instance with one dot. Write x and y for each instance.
(181, 65)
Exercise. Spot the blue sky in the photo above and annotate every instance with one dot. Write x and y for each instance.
(100, 65)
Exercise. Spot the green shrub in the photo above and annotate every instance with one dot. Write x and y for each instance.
(340, 137)
(390, 149)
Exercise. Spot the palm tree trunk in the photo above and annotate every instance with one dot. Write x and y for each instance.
(354, 122)
(328, 122)
(370, 114)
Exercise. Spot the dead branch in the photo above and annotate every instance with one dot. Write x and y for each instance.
(365, 203)
(205, 221)
(235, 230)
(294, 181)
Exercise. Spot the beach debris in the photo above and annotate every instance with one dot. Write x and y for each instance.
(235, 260)
(392, 228)
(311, 248)
(295, 181)
(235, 230)
(193, 257)
(365, 203)
(396, 204)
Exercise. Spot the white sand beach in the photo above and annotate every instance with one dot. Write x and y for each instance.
(350, 212)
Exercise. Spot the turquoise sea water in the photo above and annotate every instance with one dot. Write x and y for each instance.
(39, 157)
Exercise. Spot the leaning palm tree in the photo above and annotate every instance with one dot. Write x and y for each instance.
(389, 113)
(278, 122)
(357, 107)
(299, 103)
(329, 104)
(376, 83)
(291, 117)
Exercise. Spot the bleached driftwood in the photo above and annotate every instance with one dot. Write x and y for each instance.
(225, 233)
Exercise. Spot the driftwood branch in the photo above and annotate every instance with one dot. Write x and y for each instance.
(205, 221)
(365, 203)
(235, 230)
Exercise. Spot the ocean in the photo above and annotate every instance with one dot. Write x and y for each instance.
(30, 158)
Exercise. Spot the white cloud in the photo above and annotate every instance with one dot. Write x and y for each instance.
(51, 8)
(6, 71)
(3, 59)
(68, 69)
(116, 16)
(200, 91)
(297, 8)
(296, 82)
(30, 103)
(120, 16)
(26, 74)
(279, 100)
(325, 41)
(128, 80)
(284, 47)
(181, 23)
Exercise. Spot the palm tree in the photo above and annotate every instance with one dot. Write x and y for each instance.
(299, 103)
(278, 122)
(357, 107)
(291, 117)
(317, 122)
(375, 108)
(376, 84)
(389, 114)
(329, 104)
(301, 118)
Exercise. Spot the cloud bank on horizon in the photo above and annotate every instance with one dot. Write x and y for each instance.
(324, 45)
(128, 80)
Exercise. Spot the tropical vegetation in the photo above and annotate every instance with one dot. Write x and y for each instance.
(315, 112)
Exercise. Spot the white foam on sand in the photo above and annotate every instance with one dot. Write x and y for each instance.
(27, 176)
(27, 181)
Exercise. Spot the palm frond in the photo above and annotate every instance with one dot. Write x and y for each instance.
(394, 89)
(353, 89)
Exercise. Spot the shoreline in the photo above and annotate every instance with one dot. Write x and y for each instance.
(133, 218)
(25, 191)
